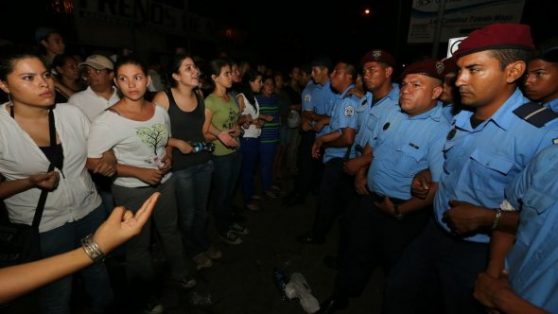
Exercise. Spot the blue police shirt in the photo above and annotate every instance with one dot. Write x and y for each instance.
(369, 114)
(552, 105)
(307, 96)
(403, 146)
(532, 262)
(342, 116)
(323, 99)
(479, 163)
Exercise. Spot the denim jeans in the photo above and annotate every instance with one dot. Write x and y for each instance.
(55, 297)
(249, 149)
(225, 177)
(139, 264)
(192, 192)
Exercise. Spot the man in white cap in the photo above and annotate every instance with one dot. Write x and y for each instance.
(100, 94)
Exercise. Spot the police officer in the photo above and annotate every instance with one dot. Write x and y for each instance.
(378, 67)
(532, 285)
(315, 108)
(335, 187)
(541, 81)
(450, 94)
(485, 149)
(387, 217)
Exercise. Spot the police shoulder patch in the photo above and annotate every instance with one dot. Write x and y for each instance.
(349, 111)
(555, 141)
(307, 98)
(535, 114)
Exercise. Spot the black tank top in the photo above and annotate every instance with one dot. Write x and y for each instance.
(187, 126)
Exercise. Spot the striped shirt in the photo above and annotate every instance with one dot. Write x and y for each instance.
(270, 130)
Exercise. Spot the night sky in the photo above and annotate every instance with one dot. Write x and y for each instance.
(284, 32)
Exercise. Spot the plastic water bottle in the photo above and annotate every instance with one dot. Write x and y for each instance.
(298, 288)
(280, 280)
(202, 146)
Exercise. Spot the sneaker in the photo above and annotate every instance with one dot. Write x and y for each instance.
(239, 229)
(214, 252)
(253, 206)
(271, 194)
(202, 261)
(186, 283)
(153, 307)
(231, 238)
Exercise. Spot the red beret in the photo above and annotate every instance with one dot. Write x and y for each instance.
(496, 36)
(379, 55)
(428, 67)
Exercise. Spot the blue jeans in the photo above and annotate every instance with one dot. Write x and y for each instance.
(192, 192)
(250, 150)
(225, 177)
(267, 156)
(55, 297)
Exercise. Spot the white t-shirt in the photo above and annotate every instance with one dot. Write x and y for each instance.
(135, 143)
(20, 157)
(92, 104)
(252, 131)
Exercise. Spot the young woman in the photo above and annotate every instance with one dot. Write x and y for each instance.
(191, 170)
(251, 123)
(67, 81)
(222, 114)
(73, 207)
(138, 131)
(51, 43)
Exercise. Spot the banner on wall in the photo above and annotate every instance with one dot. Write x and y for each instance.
(460, 17)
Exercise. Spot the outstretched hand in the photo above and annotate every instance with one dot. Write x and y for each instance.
(122, 225)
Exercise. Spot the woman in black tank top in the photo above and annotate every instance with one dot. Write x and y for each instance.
(192, 165)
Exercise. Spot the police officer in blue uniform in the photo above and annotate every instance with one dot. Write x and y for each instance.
(316, 104)
(388, 217)
(530, 281)
(541, 81)
(485, 149)
(378, 67)
(336, 141)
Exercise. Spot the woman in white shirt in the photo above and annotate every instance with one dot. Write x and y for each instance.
(73, 207)
(138, 131)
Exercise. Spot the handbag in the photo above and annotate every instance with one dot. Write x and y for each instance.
(20, 242)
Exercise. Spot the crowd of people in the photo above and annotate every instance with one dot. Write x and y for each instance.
(444, 176)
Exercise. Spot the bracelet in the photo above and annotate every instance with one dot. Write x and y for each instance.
(92, 249)
(497, 218)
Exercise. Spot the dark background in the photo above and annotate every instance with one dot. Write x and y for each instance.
(284, 32)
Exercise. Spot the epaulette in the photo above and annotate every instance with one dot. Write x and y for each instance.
(536, 114)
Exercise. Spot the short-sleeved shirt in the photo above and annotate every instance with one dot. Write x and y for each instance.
(342, 116)
(403, 145)
(480, 162)
(307, 96)
(135, 143)
(552, 105)
(92, 104)
(225, 115)
(371, 112)
(20, 157)
(533, 259)
(269, 105)
(323, 99)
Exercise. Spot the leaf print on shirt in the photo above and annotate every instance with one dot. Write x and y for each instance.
(154, 136)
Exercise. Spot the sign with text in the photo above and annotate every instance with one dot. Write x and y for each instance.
(460, 17)
(144, 13)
